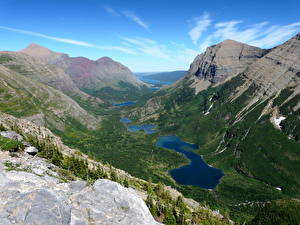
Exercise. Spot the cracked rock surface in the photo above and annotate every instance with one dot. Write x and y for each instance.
(32, 193)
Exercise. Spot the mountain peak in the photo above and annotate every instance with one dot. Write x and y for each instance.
(224, 60)
(39, 51)
(231, 43)
(104, 59)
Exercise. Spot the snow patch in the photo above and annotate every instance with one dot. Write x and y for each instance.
(277, 121)
(208, 111)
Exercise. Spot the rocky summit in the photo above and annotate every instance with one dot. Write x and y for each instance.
(33, 193)
(221, 62)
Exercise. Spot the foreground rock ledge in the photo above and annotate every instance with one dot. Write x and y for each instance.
(37, 198)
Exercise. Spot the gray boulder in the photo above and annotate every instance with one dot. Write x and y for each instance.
(35, 195)
(11, 135)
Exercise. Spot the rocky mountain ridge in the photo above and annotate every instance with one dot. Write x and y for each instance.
(86, 73)
(221, 62)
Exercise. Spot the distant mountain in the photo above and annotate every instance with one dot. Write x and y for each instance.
(78, 77)
(26, 98)
(83, 71)
(171, 77)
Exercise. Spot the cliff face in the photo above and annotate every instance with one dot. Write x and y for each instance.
(278, 69)
(221, 62)
(32, 193)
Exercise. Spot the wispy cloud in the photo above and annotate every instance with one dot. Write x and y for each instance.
(131, 15)
(263, 35)
(111, 11)
(276, 35)
(146, 46)
(69, 41)
(64, 40)
(199, 25)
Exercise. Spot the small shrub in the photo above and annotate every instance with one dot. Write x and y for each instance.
(10, 145)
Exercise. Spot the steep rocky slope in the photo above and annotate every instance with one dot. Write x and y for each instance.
(27, 98)
(221, 62)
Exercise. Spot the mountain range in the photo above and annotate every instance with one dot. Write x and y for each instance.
(52, 88)
(239, 103)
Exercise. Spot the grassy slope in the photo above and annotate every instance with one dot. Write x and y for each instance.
(23, 97)
(123, 92)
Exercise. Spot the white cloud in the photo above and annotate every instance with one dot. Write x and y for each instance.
(200, 24)
(262, 34)
(277, 35)
(131, 15)
(69, 41)
(146, 46)
(111, 11)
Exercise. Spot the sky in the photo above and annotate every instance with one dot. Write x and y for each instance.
(146, 36)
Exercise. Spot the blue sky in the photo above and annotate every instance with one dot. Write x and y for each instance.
(145, 35)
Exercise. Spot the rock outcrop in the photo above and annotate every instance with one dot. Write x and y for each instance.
(221, 62)
(32, 193)
(278, 69)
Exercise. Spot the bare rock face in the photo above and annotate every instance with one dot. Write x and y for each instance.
(225, 60)
(103, 72)
(277, 70)
(33, 194)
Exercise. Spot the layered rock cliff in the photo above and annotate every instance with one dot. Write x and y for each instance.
(221, 62)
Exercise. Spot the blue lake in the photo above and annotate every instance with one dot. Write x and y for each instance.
(197, 173)
(147, 128)
(124, 103)
(155, 82)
